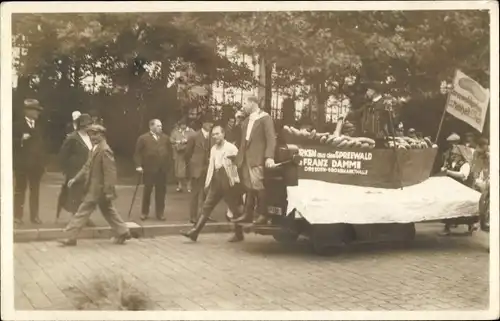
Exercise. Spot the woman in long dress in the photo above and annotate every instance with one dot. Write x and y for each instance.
(179, 138)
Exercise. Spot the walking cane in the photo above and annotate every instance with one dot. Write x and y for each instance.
(135, 193)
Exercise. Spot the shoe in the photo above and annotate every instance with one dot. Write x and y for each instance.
(192, 221)
(36, 221)
(178, 190)
(211, 220)
(261, 220)
(237, 236)
(66, 243)
(18, 221)
(445, 233)
(90, 223)
(193, 233)
(189, 190)
(161, 218)
(121, 239)
(472, 229)
(144, 217)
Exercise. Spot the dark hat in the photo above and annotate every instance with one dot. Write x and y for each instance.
(95, 128)
(32, 104)
(84, 120)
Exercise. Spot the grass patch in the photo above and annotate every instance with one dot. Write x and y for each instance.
(110, 294)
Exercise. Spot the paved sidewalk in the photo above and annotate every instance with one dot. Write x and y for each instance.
(260, 274)
(176, 210)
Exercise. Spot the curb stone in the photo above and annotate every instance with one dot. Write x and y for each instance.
(151, 231)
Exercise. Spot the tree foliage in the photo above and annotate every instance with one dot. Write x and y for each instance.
(327, 53)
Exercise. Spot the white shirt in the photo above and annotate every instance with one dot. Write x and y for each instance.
(464, 170)
(155, 136)
(219, 158)
(220, 153)
(31, 122)
(205, 133)
(86, 139)
(251, 121)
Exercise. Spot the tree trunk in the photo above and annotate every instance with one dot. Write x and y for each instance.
(268, 93)
(264, 91)
(261, 90)
(321, 102)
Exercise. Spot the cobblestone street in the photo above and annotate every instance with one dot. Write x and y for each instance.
(260, 274)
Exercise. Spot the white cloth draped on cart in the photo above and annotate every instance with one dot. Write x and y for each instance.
(434, 199)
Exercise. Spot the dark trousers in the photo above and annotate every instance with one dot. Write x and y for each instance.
(23, 179)
(197, 197)
(158, 181)
(255, 202)
(221, 190)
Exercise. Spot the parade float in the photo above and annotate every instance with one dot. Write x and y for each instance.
(336, 189)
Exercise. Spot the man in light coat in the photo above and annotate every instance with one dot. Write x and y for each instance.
(99, 174)
(222, 182)
(257, 148)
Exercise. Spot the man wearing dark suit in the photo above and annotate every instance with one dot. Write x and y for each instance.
(99, 176)
(257, 148)
(73, 155)
(29, 160)
(198, 155)
(151, 157)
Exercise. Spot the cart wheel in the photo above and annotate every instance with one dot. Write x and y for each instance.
(285, 236)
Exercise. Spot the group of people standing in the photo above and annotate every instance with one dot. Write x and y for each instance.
(88, 166)
(233, 171)
(468, 163)
(218, 161)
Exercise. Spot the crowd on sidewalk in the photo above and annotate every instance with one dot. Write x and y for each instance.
(220, 161)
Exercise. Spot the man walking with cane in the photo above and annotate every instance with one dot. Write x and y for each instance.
(99, 174)
(151, 158)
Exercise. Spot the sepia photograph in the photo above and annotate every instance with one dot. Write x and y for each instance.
(255, 160)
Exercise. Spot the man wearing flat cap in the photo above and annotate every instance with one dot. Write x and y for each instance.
(29, 158)
(99, 176)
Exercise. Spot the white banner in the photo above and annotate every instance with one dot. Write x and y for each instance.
(468, 101)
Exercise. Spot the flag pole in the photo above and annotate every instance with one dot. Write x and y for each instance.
(445, 107)
(442, 119)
